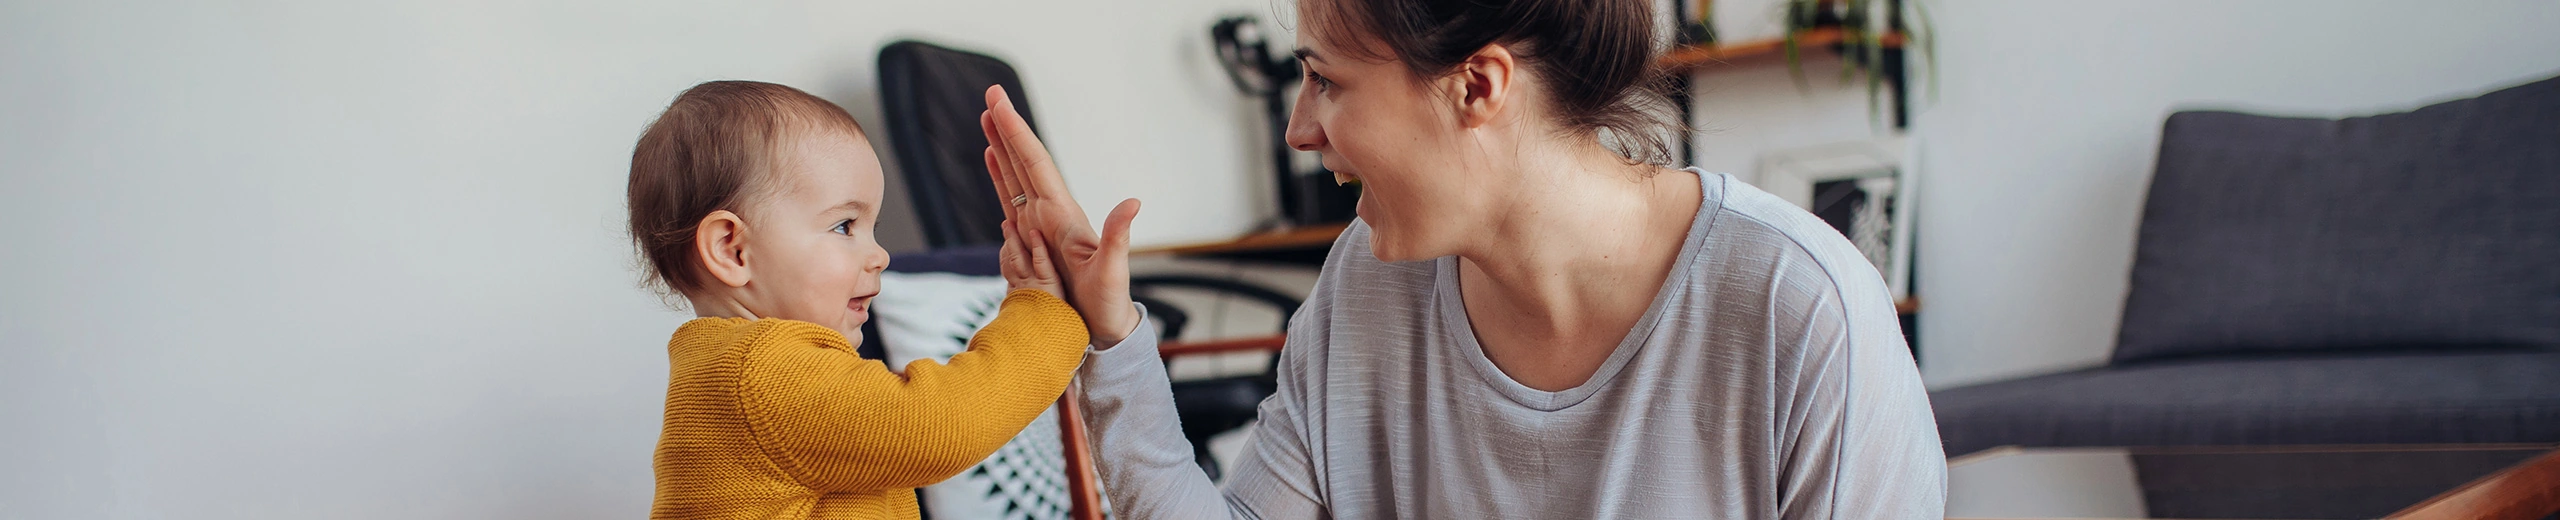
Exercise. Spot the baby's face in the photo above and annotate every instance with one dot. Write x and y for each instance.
(810, 241)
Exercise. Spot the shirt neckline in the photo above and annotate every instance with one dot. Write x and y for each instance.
(1454, 320)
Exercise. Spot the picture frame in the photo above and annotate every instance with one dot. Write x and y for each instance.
(1863, 189)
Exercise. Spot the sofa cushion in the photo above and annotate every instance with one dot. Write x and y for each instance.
(2439, 226)
(2320, 398)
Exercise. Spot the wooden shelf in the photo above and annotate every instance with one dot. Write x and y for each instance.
(1303, 237)
(1686, 57)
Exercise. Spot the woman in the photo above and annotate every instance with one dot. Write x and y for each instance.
(1525, 322)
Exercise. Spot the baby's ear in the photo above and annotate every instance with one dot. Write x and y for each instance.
(720, 244)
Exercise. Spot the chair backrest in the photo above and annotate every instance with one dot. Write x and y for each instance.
(2433, 228)
(932, 96)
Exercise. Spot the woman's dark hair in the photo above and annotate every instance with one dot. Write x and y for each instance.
(1595, 55)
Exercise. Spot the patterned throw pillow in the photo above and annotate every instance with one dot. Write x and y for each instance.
(932, 316)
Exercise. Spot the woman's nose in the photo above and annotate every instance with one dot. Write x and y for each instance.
(1304, 134)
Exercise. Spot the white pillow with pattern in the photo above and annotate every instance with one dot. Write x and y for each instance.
(932, 316)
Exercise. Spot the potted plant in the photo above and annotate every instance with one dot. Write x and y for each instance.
(1698, 28)
(1872, 37)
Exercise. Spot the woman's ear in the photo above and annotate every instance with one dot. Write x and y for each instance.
(1485, 84)
(720, 242)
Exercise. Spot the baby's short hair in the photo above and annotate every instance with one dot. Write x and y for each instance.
(713, 149)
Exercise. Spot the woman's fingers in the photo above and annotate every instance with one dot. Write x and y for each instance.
(1007, 176)
(999, 161)
(1004, 188)
(1027, 170)
(1002, 156)
(1031, 164)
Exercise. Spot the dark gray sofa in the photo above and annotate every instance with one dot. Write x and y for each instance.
(2384, 279)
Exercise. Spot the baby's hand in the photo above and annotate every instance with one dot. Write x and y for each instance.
(1026, 263)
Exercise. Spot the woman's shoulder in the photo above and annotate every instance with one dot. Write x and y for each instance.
(1756, 241)
(1754, 227)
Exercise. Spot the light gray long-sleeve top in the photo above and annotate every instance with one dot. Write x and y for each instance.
(1768, 379)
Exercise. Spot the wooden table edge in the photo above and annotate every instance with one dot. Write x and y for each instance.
(2536, 482)
(2537, 479)
(1174, 349)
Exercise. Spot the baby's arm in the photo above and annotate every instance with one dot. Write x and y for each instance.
(837, 422)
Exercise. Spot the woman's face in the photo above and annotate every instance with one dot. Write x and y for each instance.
(1374, 121)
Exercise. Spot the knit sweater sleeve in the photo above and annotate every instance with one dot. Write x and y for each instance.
(838, 422)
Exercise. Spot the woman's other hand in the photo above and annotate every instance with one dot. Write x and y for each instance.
(1096, 267)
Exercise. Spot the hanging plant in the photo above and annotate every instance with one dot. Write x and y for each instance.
(1872, 36)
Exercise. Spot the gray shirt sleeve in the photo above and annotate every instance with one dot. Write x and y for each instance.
(1146, 465)
(1862, 444)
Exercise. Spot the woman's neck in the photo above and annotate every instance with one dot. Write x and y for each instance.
(1589, 242)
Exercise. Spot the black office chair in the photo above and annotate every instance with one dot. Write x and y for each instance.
(932, 96)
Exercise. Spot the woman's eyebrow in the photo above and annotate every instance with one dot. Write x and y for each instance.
(1304, 53)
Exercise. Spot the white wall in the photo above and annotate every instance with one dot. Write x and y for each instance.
(364, 260)
(2040, 146)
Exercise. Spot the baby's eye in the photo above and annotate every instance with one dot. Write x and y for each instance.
(843, 227)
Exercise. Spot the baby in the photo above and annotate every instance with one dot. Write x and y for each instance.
(757, 202)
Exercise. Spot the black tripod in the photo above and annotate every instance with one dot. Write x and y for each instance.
(1306, 197)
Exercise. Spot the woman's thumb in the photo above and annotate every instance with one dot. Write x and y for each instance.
(1115, 229)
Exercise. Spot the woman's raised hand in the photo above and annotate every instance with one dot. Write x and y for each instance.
(1035, 201)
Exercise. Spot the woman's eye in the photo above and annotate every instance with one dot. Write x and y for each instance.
(1319, 81)
(843, 227)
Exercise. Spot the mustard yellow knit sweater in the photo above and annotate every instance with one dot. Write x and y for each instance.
(780, 419)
